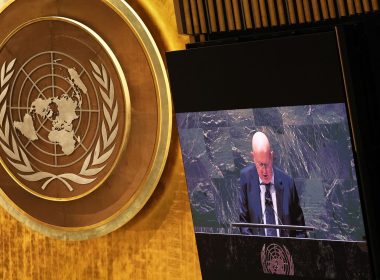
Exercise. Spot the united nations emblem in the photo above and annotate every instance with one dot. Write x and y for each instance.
(276, 260)
(85, 115)
(64, 109)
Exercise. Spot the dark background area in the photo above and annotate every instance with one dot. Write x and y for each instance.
(296, 70)
(360, 44)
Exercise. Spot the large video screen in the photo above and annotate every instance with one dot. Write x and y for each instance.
(269, 159)
(310, 145)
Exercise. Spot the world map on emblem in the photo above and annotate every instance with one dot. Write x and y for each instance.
(63, 104)
(61, 111)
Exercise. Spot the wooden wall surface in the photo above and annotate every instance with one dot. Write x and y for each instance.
(158, 243)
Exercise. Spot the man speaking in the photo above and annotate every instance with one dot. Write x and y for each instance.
(267, 194)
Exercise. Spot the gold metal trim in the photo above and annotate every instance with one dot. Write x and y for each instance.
(152, 178)
(127, 102)
(343, 67)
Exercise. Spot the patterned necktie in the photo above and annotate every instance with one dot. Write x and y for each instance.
(269, 211)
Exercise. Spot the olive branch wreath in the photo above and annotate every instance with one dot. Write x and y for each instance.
(92, 165)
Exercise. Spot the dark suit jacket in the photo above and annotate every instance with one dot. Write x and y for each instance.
(288, 208)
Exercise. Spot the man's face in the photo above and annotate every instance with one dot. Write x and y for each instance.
(263, 161)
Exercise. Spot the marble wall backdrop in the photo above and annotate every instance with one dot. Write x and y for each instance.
(311, 143)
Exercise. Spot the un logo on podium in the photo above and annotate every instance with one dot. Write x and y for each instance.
(276, 259)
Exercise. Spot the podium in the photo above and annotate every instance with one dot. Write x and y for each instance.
(235, 256)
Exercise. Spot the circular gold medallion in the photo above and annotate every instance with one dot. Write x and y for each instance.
(66, 108)
(81, 152)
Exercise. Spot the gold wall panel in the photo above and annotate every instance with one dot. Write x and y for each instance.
(265, 13)
(158, 243)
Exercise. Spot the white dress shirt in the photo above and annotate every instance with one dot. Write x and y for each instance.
(262, 196)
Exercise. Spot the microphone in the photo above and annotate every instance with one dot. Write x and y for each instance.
(269, 202)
